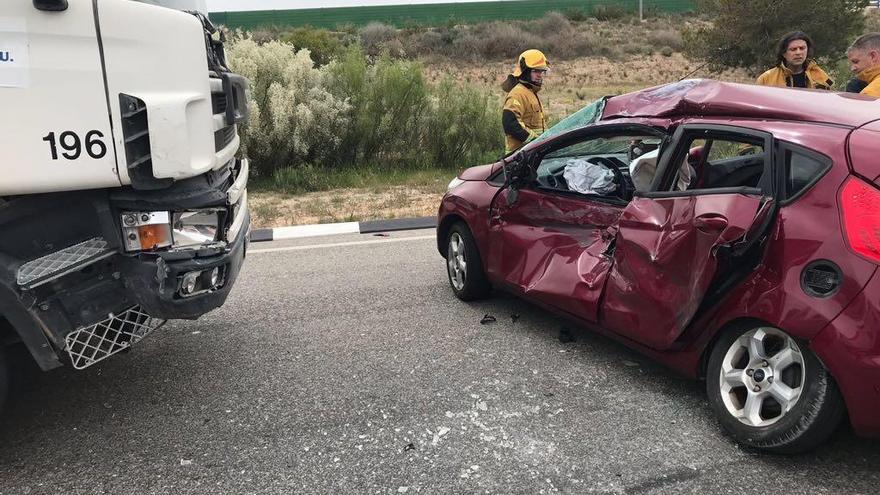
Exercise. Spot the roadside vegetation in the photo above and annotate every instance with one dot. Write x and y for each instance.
(379, 117)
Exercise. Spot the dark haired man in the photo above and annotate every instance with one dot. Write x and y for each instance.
(796, 67)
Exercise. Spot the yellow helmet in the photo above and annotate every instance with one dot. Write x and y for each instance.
(530, 60)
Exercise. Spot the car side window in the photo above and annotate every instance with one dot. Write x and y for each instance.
(724, 161)
(802, 169)
(597, 167)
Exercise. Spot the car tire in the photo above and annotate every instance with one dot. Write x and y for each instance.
(770, 392)
(464, 265)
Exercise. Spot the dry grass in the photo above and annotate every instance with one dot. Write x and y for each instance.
(270, 209)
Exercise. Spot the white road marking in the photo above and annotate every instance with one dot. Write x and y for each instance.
(316, 230)
(341, 244)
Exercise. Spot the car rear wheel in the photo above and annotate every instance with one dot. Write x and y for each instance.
(770, 392)
(464, 266)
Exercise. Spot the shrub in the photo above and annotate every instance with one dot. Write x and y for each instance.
(610, 12)
(356, 115)
(576, 15)
(322, 44)
(375, 36)
(464, 128)
(496, 40)
(739, 38)
(553, 23)
(666, 37)
(666, 51)
(293, 118)
(430, 42)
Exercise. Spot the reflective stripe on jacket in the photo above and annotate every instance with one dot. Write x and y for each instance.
(782, 76)
(524, 104)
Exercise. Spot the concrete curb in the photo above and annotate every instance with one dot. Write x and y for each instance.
(368, 227)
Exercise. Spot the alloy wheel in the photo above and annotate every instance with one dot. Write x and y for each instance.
(762, 376)
(456, 261)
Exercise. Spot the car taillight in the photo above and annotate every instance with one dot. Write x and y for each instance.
(860, 203)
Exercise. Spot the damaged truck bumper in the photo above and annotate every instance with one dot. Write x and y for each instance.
(86, 275)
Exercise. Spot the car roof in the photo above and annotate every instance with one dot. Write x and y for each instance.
(708, 98)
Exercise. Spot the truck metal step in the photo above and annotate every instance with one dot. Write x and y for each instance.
(52, 266)
(97, 342)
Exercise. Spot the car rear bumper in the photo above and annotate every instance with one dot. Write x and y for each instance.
(850, 348)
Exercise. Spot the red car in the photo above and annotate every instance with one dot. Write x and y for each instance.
(731, 232)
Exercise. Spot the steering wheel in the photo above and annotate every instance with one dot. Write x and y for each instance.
(624, 190)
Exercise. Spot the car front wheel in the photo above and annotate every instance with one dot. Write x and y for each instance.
(770, 392)
(464, 266)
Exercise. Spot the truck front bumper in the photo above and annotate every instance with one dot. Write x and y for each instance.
(155, 280)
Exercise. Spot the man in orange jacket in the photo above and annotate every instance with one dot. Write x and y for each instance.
(796, 67)
(864, 60)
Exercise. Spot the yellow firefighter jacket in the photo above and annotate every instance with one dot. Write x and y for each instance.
(523, 102)
(782, 76)
(872, 77)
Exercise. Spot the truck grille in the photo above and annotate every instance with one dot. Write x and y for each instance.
(223, 137)
(218, 103)
(219, 106)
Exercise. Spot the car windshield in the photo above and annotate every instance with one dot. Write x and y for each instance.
(583, 117)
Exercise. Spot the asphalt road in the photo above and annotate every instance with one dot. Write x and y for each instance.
(353, 369)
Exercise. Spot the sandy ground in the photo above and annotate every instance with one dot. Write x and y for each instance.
(343, 205)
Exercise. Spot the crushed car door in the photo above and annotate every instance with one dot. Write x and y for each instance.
(674, 246)
(551, 242)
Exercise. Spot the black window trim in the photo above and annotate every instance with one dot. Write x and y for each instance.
(663, 179)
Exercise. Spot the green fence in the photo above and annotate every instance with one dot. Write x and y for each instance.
(431, 14)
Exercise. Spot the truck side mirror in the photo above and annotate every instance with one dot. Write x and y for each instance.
(51, 5)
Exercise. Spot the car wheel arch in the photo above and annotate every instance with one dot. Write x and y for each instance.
(443, 230)
(734, 325)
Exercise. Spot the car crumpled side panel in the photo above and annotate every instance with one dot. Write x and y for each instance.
(665, 261)
(553, 248)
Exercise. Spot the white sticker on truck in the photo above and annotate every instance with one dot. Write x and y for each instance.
(14, 63)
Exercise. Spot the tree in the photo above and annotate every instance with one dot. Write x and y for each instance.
(744, 33)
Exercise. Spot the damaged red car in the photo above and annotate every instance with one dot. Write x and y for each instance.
(731, 232)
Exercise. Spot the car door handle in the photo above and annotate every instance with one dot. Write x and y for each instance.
(710, 223)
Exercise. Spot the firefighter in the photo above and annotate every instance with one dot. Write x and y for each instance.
(796, 67)
(864, 60)
(523, 116)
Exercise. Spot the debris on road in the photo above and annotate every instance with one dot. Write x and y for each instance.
(487, 319)
(440, 434)
(565, 335)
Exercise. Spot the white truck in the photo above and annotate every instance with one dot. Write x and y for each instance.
(123, 199)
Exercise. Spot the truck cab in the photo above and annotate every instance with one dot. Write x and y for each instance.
(123, 195)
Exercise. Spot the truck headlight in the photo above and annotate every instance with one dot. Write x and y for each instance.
(151, 230)
(192, 228)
